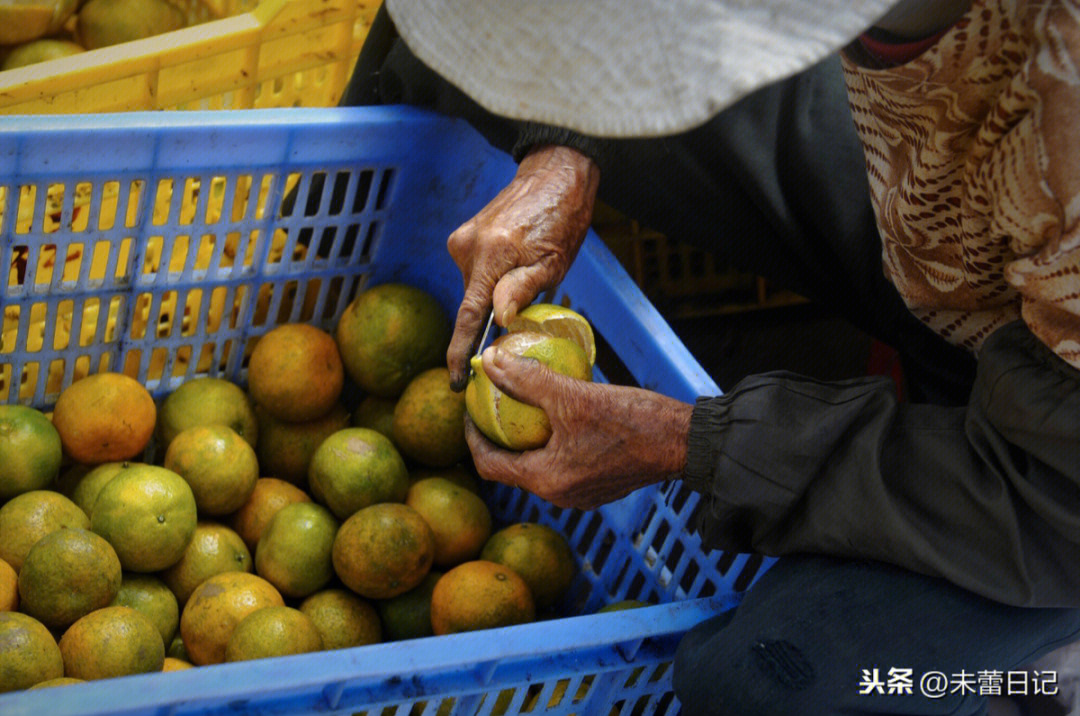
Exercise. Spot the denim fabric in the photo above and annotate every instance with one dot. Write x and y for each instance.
(804, 633)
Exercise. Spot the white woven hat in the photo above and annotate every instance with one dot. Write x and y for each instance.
(622, 68)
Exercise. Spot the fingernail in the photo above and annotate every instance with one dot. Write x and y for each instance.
(509, 313)
(495, 355)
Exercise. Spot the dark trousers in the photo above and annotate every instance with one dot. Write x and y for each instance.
(805, 634)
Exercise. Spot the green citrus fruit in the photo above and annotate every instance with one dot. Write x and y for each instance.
(27, 518)
(355, 468)
(375, 413)
(207, 401)
(293, 553)
(30, 452)
(68, 574)
(149, 595)
(429, 420)
(408, 615)
(389, 334)
(111, 642)
(218, 464)
(28, 653)
(343, 619)
(148, 515)
(273, 631)
(539, 554)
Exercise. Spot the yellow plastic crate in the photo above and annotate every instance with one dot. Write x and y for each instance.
(280, 53)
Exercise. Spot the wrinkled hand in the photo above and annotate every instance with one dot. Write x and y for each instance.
(606, 440)
(520, 244)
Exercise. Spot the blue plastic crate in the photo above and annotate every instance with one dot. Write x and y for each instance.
(159, 244)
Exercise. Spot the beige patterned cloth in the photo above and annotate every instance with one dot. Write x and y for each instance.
(973, 154)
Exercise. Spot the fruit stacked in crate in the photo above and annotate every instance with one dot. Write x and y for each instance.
(41, 30)
(330, 505)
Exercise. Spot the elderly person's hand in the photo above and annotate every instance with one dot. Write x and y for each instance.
(520, 244)
(606, 440)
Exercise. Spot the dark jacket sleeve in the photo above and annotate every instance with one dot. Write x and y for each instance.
(986, 496)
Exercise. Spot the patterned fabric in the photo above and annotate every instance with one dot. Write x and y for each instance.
(973, 154)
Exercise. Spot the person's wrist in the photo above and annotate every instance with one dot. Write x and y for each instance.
(661, 427)
(565, 161)
(677, 438)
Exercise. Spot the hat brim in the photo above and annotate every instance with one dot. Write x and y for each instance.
(624, 68)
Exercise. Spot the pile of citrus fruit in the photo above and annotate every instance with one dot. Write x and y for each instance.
(274, 520)
(33, 31)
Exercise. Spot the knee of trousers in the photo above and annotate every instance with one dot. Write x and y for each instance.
(718, 673)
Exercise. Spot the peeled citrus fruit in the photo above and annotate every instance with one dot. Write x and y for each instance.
(552, 320)
(509, 422)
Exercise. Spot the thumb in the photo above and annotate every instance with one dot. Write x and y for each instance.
(518, 288)
(524, 379)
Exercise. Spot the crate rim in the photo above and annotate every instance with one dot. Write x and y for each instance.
(623, 632)
(283, 117)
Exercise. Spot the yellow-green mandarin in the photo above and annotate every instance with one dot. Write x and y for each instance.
(508, 422)
(30, 452)
(389, 334)
(148, 515)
